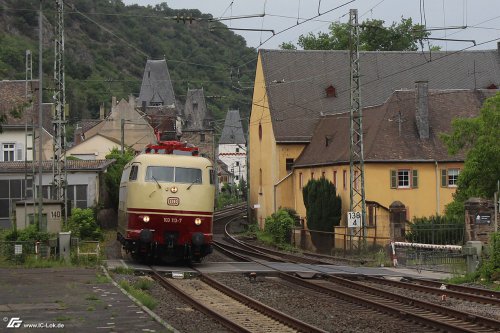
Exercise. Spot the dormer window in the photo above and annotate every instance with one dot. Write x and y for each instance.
(331, 91)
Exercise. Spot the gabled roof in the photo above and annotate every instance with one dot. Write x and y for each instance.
(71, 165)
(196, 114)
(156, 87)
(18, 108)
(296, 81)
(232, 133)
(390, 131)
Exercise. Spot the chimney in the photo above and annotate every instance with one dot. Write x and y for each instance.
(102, 112)
(144, 106)
(422, 108)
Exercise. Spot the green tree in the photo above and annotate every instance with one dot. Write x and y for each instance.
(478, 137)
(113, 176)
(279, 225)
(323, 205)
(83, 225)
(374, 36)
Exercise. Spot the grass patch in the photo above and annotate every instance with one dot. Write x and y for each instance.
(142, 296)
(92, 298)
(63, 318)
(31, 261)
(123, 270)
(102, 279)
(90, 308)
(143, 284)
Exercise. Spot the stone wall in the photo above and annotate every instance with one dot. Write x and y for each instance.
(479, 219)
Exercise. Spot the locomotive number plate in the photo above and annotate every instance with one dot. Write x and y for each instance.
(173, 201)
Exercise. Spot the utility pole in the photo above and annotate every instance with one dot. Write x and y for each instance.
(357, 168)
(59, 122)
(29, 137)
(40, 117)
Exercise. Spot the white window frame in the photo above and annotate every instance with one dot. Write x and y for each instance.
(452, 179)
(401, 178)
(9, 147)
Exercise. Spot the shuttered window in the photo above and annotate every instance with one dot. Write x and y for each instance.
(394, 179)
(414, 178)
(444, 178)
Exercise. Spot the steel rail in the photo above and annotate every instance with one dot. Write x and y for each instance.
(435, 289)
(231, 250)
(469, 290)
(363, 301)
(235, 327)
(276, 315)
(262, 308)
(466, 317)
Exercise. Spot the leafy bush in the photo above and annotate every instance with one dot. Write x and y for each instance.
(279, 226)
(30, 233)
(83, 225)
(227, 196)
(490, 269)
(436, 230)
(323, 205)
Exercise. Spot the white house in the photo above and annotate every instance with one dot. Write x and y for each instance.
(232, 149)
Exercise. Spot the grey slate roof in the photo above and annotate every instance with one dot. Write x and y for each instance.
(196, 114)
(296, 81)
(71, 165)
(156, 85)
(383, 140)
(232, 133)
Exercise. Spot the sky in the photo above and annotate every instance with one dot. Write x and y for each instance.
(482, 17)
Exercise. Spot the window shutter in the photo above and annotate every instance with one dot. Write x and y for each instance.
(444, 178)
(19, 152)
(414, 178)
(394, 179)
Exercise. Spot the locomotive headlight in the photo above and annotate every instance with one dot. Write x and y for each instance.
(197, 221)
(145, 218)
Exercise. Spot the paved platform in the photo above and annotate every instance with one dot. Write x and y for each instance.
(269, 267)
(68, 300)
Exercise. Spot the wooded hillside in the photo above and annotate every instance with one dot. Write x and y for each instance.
(107, 45)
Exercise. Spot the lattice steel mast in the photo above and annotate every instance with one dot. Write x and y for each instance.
(59, 121)
(357, 168)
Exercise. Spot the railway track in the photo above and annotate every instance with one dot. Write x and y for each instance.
(425, 313)
(230, 211)
(306, 258)
(236, 311)
(436, 288)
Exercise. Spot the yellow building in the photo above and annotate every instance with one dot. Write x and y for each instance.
(294, 90)
(408, 171)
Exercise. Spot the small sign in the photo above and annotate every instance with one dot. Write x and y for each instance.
(256, 206)
(173, 201)
(483, 218)
(354, 219)
(18, 249)
(178, 275)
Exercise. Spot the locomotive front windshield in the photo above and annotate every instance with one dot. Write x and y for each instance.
(173, 174)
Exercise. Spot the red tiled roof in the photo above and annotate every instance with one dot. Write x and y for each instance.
(71, 165)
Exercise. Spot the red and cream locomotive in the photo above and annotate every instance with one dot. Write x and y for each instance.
(166, 204)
